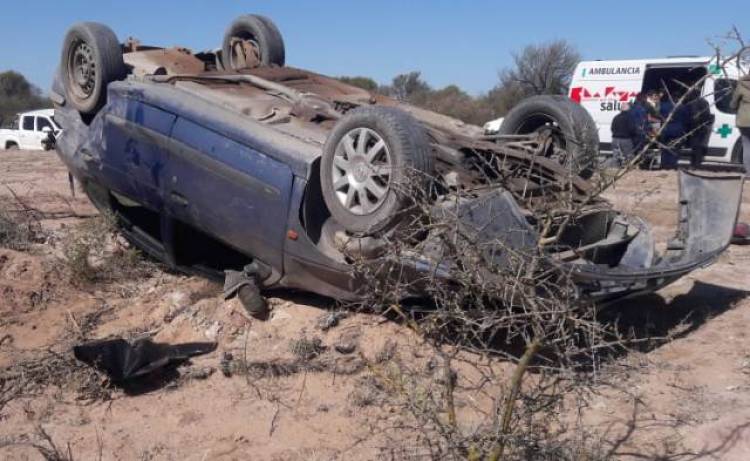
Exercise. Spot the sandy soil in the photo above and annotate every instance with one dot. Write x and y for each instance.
(695, 388)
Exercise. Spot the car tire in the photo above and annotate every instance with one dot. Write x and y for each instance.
(737, 152)
(372, 195)
(579, 134)
(263, 35)
(91, 59)
(11, 146)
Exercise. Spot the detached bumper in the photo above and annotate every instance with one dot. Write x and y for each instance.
(708, 210)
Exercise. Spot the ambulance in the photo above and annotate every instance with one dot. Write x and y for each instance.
(602, 86)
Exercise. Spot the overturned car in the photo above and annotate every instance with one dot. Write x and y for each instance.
(229, 160)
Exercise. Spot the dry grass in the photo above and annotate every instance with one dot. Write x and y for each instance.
(93, 252)
(18, 231)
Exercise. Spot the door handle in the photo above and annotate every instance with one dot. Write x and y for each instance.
(179, 199)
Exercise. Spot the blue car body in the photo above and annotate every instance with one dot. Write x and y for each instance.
(203, 166)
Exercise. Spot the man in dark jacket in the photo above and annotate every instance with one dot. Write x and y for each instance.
(673, 134)
(625, 135)
(700, 127)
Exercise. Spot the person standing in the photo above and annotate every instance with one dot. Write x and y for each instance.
(701, 124)
(672, 137)
(625, 135)
(653, 107)
(741, 104)
(639, 114)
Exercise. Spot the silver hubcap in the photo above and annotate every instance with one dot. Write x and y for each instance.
(361, 171)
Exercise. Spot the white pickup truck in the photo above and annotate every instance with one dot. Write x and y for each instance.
(30, 130)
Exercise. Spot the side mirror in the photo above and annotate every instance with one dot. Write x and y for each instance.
(46, 130)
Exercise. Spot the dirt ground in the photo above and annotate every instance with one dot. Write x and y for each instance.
(694, 388)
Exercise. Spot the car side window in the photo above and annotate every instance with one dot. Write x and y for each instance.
(11, 124)
(28, 123)
(723, 90)
(42, 122)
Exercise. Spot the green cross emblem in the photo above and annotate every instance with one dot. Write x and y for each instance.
(725, 130)
(715, 69)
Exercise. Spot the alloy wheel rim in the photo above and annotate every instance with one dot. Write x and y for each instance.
(361, 171)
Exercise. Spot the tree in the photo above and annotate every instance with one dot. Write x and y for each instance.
(542, 69)
(18, 95)
(366, 83)
(409, 88)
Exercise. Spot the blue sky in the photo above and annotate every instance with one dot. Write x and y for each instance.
(461, 42)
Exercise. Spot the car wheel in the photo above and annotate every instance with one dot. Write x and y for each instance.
(374, 162)
(252, 41)
(737, 152)
(91, 59)
(571, 127)
(12, 146)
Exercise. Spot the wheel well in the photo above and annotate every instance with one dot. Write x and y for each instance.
(534, 122)
(10, 143)
(196, 249)
(314, 212)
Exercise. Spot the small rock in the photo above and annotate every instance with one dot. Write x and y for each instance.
(330, 320)
(213, 331)
(279, 315)
(226, 364)
(345, 347)
(323, 408)
(199, 373)
(177, 298)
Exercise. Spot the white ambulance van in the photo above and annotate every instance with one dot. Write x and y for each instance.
(602, 86)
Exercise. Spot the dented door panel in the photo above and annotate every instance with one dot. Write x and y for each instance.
(228, 190)
(135, 152)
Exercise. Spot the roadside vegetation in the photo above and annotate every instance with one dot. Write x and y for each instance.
(18, 95)
(544, 68)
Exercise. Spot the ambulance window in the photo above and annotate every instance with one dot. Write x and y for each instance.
(723, 89)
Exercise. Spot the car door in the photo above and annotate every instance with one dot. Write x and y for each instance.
(26, 134)
(136, 142)
(42, 123)
(724, 134)
(229, 191)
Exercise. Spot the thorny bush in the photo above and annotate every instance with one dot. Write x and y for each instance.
(516, 352)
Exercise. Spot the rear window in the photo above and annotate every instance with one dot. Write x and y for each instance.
(28, 123)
